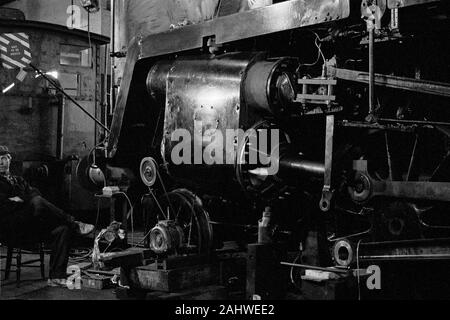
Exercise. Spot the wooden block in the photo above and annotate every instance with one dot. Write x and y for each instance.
(342, 289)
(318, 81)
(173, 280)
(178, 262)
(96, 282)
(319, 97)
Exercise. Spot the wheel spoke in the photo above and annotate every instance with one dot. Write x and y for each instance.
(388, 154)
(413, 158)
(190, 231)
(442, 164)
(259, 151)
(178, 213)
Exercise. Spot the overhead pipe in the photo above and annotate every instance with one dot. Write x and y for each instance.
(112, 57)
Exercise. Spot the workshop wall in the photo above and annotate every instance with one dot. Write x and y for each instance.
(56, 12)
(29, 111)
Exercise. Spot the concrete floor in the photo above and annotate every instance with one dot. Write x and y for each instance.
(32, 287)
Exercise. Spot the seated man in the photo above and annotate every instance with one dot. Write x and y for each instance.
(25, 214)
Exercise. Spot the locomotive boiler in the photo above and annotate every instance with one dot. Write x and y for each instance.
(342, 105)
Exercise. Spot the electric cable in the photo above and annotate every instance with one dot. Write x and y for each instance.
(129, 214)
(299, 257)
(319, 52)
(148, 233)
(160, 209)
(332, 239)
(80, 254)
(165, 191)
(357, 271)
(159, 205)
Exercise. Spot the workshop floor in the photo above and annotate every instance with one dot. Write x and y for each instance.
(33, 288)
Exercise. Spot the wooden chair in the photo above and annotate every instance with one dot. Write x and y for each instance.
(16, 252)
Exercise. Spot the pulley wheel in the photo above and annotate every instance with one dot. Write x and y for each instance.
(149, 171)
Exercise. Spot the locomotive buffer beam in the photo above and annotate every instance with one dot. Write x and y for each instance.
(402, 83)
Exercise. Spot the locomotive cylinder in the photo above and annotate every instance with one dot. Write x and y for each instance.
(264, 85)
(203, 96)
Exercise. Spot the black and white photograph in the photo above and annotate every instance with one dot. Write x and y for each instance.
(221, 157)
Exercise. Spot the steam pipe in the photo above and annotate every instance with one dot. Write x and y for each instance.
(112, 53)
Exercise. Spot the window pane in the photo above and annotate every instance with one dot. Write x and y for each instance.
(75, 56)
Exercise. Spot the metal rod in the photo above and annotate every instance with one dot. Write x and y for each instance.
(58, 88)
(327, 193)
(60, 129)
(105, 93)
(97, 66)
(406, 257)
(296, 165)
(248, 226)
(431, 123)
(388, 155)
(413, 157)
(371, 72)
(112, 50)
(395, 82)
(303, 266)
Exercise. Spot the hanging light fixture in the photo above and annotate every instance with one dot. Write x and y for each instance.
(90, 6)
(12, 85)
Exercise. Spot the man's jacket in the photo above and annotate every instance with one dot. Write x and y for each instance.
(15, 217)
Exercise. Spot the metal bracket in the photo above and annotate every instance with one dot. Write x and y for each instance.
(394, 25)
(366, 188)
(327, 193)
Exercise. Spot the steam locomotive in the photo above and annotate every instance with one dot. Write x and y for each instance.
(357, 93)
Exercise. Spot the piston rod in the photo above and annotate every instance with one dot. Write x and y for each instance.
(290, 165)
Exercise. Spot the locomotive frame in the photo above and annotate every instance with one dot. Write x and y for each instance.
(375, 192)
